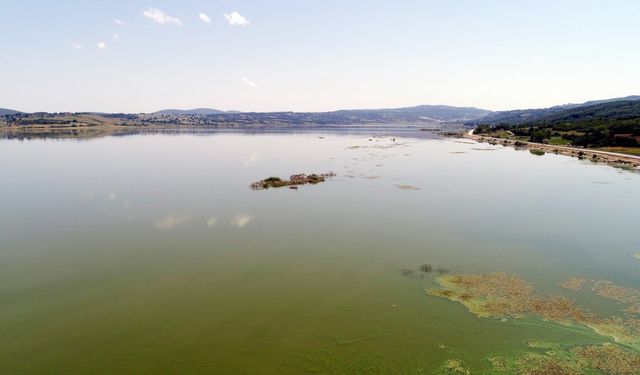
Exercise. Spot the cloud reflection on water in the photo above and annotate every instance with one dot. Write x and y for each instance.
(241, 220)
(170, 222)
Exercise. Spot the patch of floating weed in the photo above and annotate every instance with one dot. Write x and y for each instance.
(574, 283)
(490, 295)
(536, 364)
(407, 187)
(610, 359)
(499, 295)
(609, 290)
(560, 310)
(454, 366)
(499, 363)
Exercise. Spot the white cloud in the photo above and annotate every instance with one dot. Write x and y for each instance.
(241, 221)
(235, 19)
(212, 221)
(116, 37)
(160, 17)
(171, 222)
(204, 17)
(77, 46)
(102, 45)
(248, 81)
(117, 21)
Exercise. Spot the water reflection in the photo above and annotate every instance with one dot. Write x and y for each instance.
(170, 222)
(241, 220)
(212, 222)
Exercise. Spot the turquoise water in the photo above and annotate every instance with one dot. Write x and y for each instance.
(150, 254)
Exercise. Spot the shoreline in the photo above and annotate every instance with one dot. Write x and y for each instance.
(596, 156)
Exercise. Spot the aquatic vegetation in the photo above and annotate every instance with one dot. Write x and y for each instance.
(536, 364)
(574, 283)
(490, 295)
(407, 272)
(426, 268)
(407, 187)
(610, 359)
(609, 290)
(537, 152)
(499, 295)
(454, 366)
(293, 181)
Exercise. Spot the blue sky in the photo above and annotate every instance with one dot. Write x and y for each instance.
(314, 55)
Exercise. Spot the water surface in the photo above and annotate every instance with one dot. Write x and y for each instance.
(150, 254)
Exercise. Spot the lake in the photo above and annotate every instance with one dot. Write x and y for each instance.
(150, 253)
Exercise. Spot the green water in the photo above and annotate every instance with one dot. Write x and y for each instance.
(150, 254)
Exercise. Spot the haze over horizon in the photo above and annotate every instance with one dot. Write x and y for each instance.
(309, 55)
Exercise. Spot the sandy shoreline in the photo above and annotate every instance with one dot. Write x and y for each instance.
(596, 156)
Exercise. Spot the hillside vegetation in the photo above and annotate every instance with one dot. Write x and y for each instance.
(604, 124)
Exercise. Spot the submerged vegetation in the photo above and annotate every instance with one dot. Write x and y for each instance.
(293, 182)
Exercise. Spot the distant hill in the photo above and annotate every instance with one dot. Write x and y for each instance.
(410, 115)
(195, 111)
(5, 112)
(530, 116)
(433, 113)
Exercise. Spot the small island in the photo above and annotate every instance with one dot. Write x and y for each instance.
(293, 182)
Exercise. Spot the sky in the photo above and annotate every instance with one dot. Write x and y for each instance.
(314, 55)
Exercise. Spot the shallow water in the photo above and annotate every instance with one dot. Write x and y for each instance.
(150, 254)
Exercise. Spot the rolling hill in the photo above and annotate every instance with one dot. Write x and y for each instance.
(530, 116)
(5, 112)
(195, 111)
(608, 123)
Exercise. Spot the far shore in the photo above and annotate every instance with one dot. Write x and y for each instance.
(596, 156)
